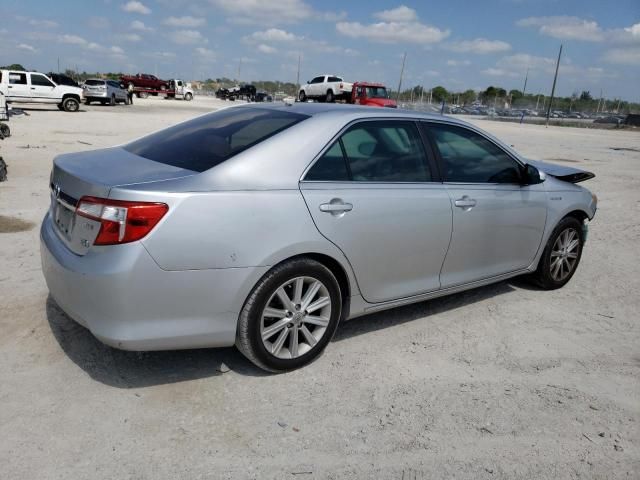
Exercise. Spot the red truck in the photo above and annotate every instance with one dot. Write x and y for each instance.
(371, 94)
(144, 80)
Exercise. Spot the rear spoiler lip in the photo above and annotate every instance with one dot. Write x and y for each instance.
(561, 172)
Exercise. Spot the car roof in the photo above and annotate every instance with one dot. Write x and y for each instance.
(347, 113)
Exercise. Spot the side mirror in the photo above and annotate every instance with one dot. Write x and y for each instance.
(533, 176)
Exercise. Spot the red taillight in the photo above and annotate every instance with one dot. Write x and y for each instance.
(121, 221)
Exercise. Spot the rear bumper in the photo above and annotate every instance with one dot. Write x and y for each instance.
(121, 295)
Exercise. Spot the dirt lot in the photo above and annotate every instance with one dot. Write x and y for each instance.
(501, 382)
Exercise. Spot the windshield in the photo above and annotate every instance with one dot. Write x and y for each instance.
(207, 141)
(377, 92)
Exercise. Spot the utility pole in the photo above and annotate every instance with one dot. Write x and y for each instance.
(526, 77)
(239, 69)
(298, 74)
(599, 102)
(421, 93)
(404, 58)
(58, 64)
(553, 88)
(537, 100)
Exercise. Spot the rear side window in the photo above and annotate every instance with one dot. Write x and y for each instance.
(377, 151)
(207, 141)
(335, 79)
(16, 78)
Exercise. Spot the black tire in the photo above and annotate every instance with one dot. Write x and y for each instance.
(3, 170)
(143, 94)
(127, 101)
(188, 97)
(330, 98)
(543, 276)
(112, 100)
(87, 102)
(248, 336)
(302, 96)
(70, 104)
(5, 131)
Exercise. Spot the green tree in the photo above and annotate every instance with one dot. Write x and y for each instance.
(13, 66)
(439, 93)
(586, 95)
(467, 97)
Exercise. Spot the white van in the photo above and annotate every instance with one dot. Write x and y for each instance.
(35, 87)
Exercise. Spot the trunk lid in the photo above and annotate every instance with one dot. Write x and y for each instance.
(567, 174)
(94, 174)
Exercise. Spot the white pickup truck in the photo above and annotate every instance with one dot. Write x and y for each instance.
(326, 88)
(35, 87)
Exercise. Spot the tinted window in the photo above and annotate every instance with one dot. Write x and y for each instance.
(335, 79)
(386, 151)
(469, 157)
(317, 80)
(40, 80)
(207, 141)
(17, 78)
(330, 167)
(94, 82)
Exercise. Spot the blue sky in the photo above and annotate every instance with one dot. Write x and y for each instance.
(455, 43)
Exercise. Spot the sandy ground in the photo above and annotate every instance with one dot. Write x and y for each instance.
(502, 382)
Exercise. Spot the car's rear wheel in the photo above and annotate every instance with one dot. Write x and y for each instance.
(70, 104)
(290, 316)
(561, 255)
(112, 100)
(302, 96)
(330, 97)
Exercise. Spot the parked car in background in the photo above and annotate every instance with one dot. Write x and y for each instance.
(263, 97)
(326, 88)
(247, 92)
(264, 226)
(104, 91)
(35, 87)
(144, 80)
(62, 79)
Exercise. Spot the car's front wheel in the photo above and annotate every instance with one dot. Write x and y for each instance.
(561, 255)
(302, 96)
(290, 316)
(70, 104)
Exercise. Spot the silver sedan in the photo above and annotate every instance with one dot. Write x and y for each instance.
(265, 226)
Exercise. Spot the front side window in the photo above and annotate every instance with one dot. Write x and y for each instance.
(468, 157)
(204, 142)
(317, 80)
(379, 151)
(40, 80)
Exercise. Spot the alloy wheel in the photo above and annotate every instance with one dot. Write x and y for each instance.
(564, 254)
(295, 317)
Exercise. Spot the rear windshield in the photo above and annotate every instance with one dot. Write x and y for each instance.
(204, 142)
(94, 82)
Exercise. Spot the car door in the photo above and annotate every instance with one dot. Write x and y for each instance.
(497, 221)
(42, 89)
(18, 87)
(316, 86)
(375, 194)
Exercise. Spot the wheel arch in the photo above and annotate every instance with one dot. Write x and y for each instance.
(70, 95)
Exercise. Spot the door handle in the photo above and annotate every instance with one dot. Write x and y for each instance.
(336, 207)
(33, 88)
(465, 202)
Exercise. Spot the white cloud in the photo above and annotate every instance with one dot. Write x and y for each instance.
(458, 63)
(266, 49)
(393, 32)
(205, 53)
(480, 46)
(27, 48)
(43, 23)
(275, 12)
(131, 37)
(565, 27)
(140, 26)
(521, 61)
(498, 72)
(623, 56)
(402, 14)
(72, 40)
(184, 22)
(187, 37)
(136, 7)
(272, 35)
(117, 50)
(98, 22)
